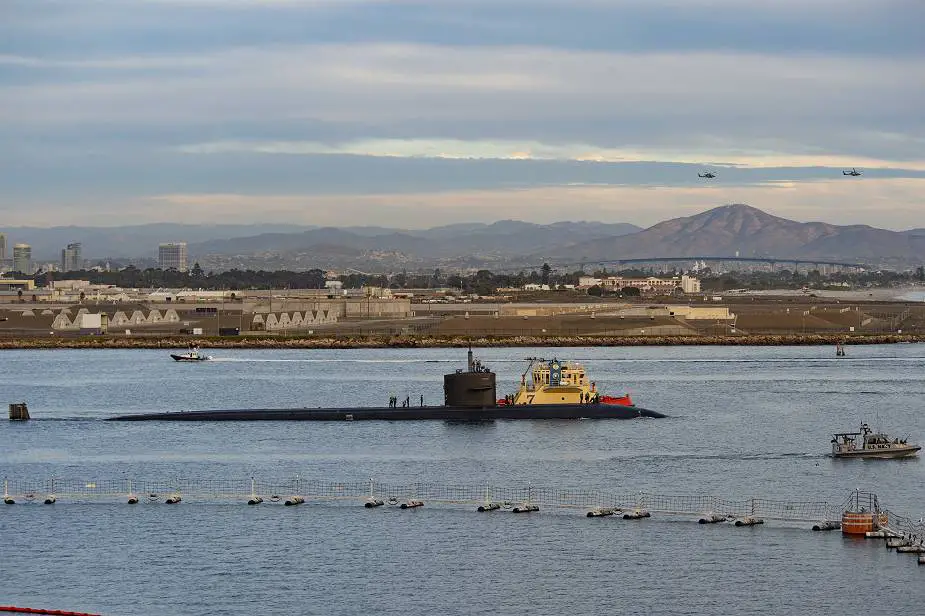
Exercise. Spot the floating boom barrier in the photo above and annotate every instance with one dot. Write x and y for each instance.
(594, 503)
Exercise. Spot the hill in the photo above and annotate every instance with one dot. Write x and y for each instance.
(749, 232)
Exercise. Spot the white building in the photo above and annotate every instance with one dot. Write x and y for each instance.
(649, 285)
(689, 284)
(586, 282)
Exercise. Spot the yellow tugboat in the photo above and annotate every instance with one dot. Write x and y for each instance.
(559, 382)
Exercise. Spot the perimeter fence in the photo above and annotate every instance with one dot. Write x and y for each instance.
(274, 490)
(205, 490)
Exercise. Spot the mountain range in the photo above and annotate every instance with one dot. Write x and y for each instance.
(508, 244)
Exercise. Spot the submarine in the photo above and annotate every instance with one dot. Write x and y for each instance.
(555, 390)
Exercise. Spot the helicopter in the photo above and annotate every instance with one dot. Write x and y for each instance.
(708, 174)
(853, 172)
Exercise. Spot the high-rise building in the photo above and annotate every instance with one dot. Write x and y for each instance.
(172, 256)
(2, 247)
(22, 258)
(70, 258)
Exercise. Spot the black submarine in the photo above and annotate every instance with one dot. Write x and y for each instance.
(556, 390)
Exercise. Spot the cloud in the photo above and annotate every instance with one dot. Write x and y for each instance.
(108, 101)
(853, 27)
(789, 105)
(533, 150)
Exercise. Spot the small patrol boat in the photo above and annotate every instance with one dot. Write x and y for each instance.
(870, 444)
(559, 382)
(192, 355)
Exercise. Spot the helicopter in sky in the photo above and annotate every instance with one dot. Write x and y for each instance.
(853, 172)
(708, 174)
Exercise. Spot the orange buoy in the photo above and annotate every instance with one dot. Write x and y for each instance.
(861, 522)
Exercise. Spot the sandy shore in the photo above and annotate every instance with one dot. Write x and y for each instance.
(370, 342)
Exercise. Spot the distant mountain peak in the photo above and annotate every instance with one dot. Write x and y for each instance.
(744, 230)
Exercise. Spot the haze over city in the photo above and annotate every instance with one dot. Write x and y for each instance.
(415, 114)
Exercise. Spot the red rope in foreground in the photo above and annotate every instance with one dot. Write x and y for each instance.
(32, 610)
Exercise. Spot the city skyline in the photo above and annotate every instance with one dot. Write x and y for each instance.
(413, 114)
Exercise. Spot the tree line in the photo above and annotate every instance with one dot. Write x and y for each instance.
(481, 282)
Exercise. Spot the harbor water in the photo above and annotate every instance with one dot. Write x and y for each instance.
(743, 422)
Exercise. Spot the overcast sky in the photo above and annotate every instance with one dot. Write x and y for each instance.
(420, 113)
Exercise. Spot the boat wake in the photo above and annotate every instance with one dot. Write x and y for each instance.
(306, 360)
(701, 457)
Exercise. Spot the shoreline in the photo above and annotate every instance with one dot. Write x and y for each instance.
(404, 342)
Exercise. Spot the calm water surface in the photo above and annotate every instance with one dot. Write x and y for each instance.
(744, 422)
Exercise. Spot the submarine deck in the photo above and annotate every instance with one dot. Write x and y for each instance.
(447, 413)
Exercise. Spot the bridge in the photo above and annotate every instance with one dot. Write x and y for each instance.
(796, 261)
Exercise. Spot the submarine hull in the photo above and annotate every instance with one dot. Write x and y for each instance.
(446, 413)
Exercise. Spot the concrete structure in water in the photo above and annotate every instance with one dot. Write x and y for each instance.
(19, 412)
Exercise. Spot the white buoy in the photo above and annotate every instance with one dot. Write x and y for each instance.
(371, 500)
(411, 504)
(712, 518)
(51, 498)
(132, 499)
(173, 499)
(294, 500)
(254, 499)
(636, 514)
(525, 508)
